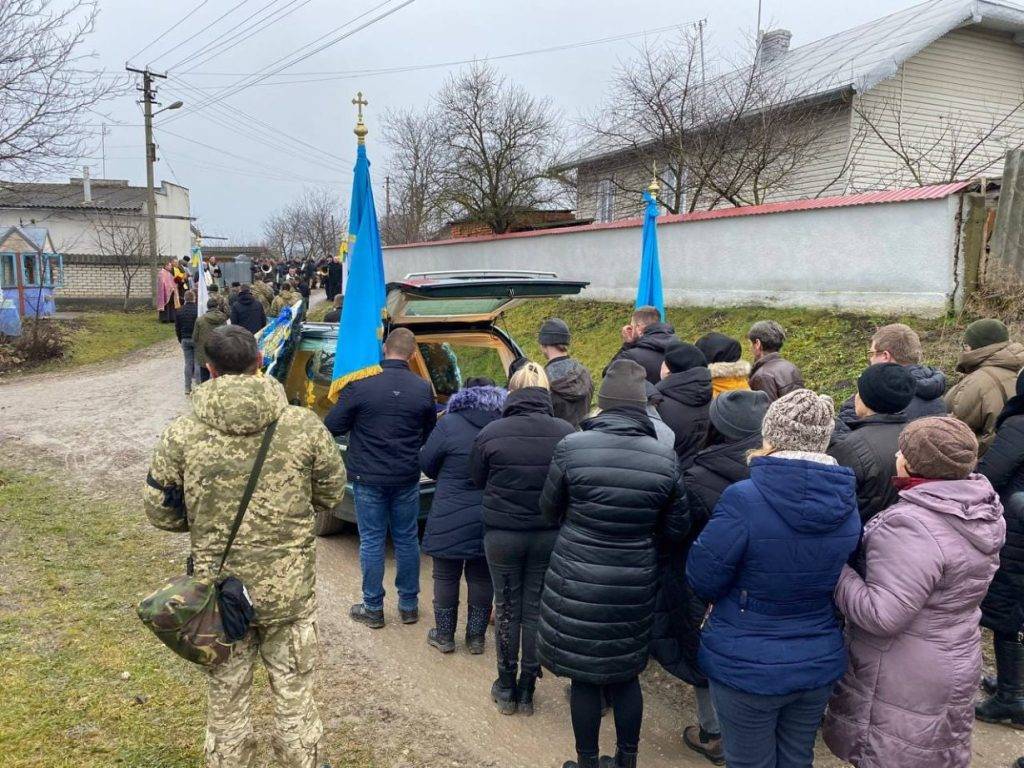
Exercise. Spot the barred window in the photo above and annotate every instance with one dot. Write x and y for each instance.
(605, 200)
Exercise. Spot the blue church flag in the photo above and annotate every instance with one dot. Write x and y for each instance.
(648, 290)
(358, 352)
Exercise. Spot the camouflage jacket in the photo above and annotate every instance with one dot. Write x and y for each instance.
(203, 328)
(284, 299)
(209, 454)
(264, 295)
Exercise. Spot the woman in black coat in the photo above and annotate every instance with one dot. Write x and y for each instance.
(454, 534)
(1002, 611)
(617, 489)
(510, 461)
(735, 431)
(685, 390)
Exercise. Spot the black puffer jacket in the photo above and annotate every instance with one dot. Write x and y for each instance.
(648, 350)
(931, 386)
(869, 449)
(684, 407)
(510, 460)
(617, 488)
(455, 525)
(678, 610)
(572, 389)
(1003, 464)
(247, 312)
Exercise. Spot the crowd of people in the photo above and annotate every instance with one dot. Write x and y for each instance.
(804, 569)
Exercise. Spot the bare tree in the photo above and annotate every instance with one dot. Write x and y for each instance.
(501, 144)
(44, 94)
(124, 241)
(417, 144)
(931, 149)
(312, 226)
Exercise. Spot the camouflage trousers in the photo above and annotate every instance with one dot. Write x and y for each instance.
(289, 652)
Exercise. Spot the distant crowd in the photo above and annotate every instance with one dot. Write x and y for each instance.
(804, 569)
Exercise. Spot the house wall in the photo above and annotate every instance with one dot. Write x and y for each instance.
(890, 257)
(970, 78)
(101, 281)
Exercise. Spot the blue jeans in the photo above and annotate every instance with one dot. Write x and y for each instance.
(769, 731)
(380, 508)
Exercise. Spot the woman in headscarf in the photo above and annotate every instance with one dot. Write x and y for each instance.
(724, 355)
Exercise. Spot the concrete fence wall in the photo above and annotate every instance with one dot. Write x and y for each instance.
(883, 257)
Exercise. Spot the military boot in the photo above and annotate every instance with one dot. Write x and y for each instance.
(1007, 704)
(524, 692)
(476, 627)
(582, 762)
(621, 760)
(503, 691)
(442, 636)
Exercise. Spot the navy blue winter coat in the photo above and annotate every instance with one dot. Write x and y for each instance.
(455, 525)
(390, 416)
(769, 560)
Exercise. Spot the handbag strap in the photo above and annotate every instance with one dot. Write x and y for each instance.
(999, 383)
(250, 486)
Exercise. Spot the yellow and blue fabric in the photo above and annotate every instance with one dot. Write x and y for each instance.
(649, 291)
(272, 339)
(360, 333)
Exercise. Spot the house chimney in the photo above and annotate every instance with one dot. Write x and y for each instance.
(86, 185)
(774, 45)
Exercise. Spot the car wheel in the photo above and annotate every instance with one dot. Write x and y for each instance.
(327, 524)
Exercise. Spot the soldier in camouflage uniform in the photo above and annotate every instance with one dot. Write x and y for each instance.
(265, 296)
(205, 458)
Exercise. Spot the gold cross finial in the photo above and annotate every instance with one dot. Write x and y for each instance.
(360, 129)
(654, 188)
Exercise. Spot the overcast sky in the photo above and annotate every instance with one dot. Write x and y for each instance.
(236, 180)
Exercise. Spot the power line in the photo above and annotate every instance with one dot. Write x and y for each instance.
(247, 82)
(208, 27)
(215, 49)
(171, 28)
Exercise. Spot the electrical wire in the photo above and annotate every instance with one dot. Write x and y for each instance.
(294, 58)
(208, 27)
(209, 52)
(171, 28)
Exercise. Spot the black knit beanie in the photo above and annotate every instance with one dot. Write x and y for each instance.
(680, 356)
(719, 348)
(886, 387)
(554, 333)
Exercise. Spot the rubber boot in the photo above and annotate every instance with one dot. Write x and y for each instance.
(1007, 704)
(621, 760)
(524, 692)
(442, 636)
(503, 691)
(477, 619)
(582, 762)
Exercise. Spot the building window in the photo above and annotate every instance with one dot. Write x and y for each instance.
(7, 278)
(605, 200)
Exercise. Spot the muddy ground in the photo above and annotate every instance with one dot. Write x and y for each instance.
(96, 427)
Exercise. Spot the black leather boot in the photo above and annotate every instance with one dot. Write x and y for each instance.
(1007, 704)
(476, 627)
(442, 636)
(503, 691)
(621, 760)
(582, 762)
(524, 692)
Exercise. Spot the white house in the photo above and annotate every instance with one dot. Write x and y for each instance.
(75, 214)
(903, 101)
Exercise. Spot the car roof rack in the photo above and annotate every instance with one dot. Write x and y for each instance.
(471, 274)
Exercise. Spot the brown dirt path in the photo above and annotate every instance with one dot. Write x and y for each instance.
(95, 427)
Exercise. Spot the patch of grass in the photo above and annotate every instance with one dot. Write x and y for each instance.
(84, 684)
(101, 336)
(830, 348)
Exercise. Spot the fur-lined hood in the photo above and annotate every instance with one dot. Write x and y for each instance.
(737, 369)
(478, 399)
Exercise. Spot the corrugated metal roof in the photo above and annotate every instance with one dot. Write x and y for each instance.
(933, 192)
(862, 57)
(66, 196)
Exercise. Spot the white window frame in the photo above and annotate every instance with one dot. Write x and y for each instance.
(605, 200)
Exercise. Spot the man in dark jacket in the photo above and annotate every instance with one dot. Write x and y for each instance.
(572, 389)
(644, 341)
(247, 311)
(685, 388)
(899, 343)
(388, 418)
(883, 392)
(184, 326)
(771, 372)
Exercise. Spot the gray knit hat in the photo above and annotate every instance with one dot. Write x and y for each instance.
(623, 384)
(554, 332)
(738, 414)
(801, 421)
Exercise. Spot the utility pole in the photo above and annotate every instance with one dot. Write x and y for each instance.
(387, 197)
(103, 150)
(148, 99)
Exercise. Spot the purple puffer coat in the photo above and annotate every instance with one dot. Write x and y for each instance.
(912, 627)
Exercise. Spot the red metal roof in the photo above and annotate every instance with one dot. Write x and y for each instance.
(934, 192)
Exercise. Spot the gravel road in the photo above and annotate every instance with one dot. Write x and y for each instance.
(97, 426)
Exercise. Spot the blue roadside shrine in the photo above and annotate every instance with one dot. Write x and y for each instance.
(30, 271)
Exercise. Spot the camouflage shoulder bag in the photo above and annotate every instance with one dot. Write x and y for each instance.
(186, 613)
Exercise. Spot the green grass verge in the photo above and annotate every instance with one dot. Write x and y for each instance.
(83, 683)
(830, 348)
(101, 336)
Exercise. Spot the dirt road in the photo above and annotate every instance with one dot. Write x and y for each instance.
(96, 426)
